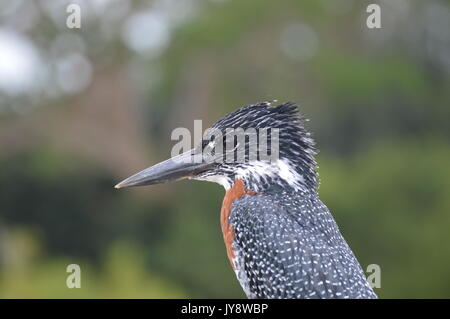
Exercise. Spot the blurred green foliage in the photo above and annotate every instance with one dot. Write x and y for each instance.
(122, 275)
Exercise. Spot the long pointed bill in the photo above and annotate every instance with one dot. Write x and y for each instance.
(178, 167)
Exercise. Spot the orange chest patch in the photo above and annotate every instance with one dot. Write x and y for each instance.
(238, 190)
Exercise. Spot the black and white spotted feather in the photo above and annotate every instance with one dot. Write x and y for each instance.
(287, 245)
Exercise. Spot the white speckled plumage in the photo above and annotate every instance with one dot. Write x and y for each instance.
(287, 245)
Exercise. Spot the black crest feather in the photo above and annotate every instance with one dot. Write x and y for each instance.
(295, 142)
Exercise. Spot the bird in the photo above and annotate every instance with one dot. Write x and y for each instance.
(280, 238)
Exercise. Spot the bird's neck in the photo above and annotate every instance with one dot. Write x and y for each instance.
(282, 174)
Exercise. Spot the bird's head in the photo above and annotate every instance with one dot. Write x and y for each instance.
(261, 144)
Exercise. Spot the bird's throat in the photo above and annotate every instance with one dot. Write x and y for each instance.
(236, 191)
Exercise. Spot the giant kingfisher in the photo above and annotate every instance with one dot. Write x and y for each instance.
(281, 240)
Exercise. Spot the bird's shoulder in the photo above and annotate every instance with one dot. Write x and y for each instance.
(302, 210)
(292, 244)
(295, 215)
